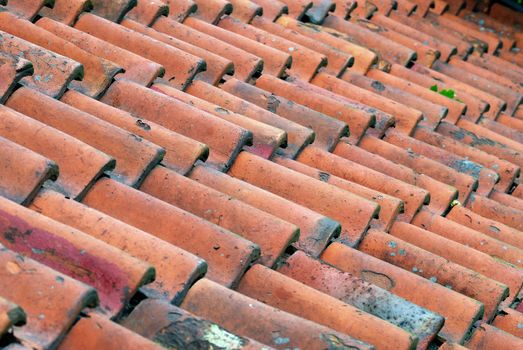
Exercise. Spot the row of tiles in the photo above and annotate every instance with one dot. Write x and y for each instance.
(323, 175)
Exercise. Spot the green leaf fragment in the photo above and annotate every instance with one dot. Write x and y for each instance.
(447, 93)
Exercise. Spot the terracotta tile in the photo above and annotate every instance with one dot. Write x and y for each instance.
(94, 332)
(51, 300)
(305, 62)
(475, 106)
(113, 10)
(272, 9)
(275, 61)
(298, 8)
(245, 64)
(336, 164)
(180, 66)
(261, 322)
(326, 129)
(364, 9)
(445, 49)
(227, 254)
(451, 346)
(12, 70)
(365, 296)
(266, 139)
(299, 92)
(385, 6)
(180, 9)
(489, 337)
(337, 60)
(511, 127)
(485, 73)
(115, 275)
(406, 7)
(298, 136)
(98, 72)
(496, 211)
(518, 192)
(315, 230)
(387, 159)
(23, 172)
(319, 10)
(511, 57)
(134, 156)
(480, 142)
(507, 171)
(27, 9)
(66, 11)
(425, 54)
(467, 236)
(507, 200)
(436, 269)
(181, 152)
(508, 131)
(182, 118)
(444, 34)
(173, 327)
(172, 280)
(455, 23)
(456, 7)
(245, 10)
(455, 108)
(460, 254)
(332, 105)
(459, 172)
(480, 41)
(217, 66)
(497, 65)
(80, 164)
(505, 15)
(211, 10)
(147, 11)
(496, 104)
(390, 207)
(345, 8)
(511, 97)
(406, 118)
(52, 72)
(480, 130)
(519, 113)
(270, 233)
(353, 212)
(287, 294)
(137, 68)
(10, 315)
(387, 49)
(363, 57)
(483, 22)
(510, 321)
(460, 312)
(432, 113)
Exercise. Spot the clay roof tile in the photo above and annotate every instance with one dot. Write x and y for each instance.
(23, 172)
(172, 280)
(261, 322)
(80, 164)
(98, 72)
(172, 326)
(134, 156)
(50, 299)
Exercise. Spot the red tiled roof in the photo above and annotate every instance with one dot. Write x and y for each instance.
(261, 174)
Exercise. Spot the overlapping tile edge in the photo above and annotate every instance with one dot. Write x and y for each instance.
(285, 174)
